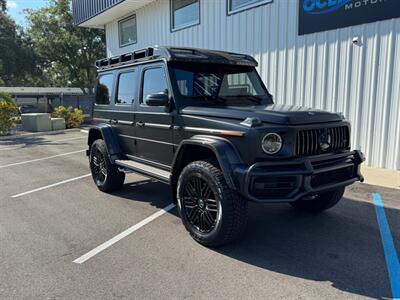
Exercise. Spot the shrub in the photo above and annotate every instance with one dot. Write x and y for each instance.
(73, 116)
(7, 112)
(5, 97)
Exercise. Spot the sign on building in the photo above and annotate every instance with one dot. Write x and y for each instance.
(321, 15)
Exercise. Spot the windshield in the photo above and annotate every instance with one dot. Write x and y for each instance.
(222, 85)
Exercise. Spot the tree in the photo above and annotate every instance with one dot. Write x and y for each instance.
(67, 52)
(3, 5)
(17, 58)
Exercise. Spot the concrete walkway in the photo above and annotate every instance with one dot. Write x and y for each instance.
(381, 177)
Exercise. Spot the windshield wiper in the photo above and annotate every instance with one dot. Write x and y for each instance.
(214, 99)
(255, 99)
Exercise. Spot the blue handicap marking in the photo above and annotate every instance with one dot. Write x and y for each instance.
(392, 261)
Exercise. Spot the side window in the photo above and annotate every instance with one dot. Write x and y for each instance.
(154, 81)
(126, 88)
(240, 5)
(184, 13)
(127, 31)
(104, 89)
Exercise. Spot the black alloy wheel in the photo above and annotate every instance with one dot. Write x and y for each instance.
(105, 174)
(98, 167)
(200, 204)
(211, 212)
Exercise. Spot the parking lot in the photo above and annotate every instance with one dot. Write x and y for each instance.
(52, 215)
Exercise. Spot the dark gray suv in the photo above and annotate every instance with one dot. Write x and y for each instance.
(204, 122)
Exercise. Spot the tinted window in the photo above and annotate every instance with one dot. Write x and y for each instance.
(104, 89)
(127, 31)
(126, 88)
(154, 81)
(207, 84)
(236, 5)
(218, 83)
(185, 13)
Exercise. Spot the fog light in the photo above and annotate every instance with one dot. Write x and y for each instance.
(271, 143)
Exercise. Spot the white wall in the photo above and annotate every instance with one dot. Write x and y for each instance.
(323, 70)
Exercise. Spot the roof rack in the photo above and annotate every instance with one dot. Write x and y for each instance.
(131, 57)
(181, 54)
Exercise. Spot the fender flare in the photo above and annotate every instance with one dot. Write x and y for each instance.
(109, 137)
(226, 154)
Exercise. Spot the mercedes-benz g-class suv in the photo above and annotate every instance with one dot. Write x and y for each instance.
(204, 122)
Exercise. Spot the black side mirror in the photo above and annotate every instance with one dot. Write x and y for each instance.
(158, 99)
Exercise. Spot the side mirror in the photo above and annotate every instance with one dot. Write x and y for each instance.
(158, 99)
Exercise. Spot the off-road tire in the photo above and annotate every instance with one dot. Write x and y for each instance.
(232, 218)
(114, 179)
(323, 201)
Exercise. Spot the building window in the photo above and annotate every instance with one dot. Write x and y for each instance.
(235, 6)
(185, 13)
(126, 88)
(104, 89)
(127, 31)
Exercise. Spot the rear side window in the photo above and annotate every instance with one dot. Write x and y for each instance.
(154, 81)
(104, 89)
(126, 88)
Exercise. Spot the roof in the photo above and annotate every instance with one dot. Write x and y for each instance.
(181, 54)
(97, 13)
(41, 91)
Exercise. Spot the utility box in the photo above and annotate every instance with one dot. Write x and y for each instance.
(57, 123)
(36, 122)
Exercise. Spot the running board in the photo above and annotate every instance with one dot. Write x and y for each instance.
(143, 169)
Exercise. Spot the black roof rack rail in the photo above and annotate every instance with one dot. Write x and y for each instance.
(182, 54)
(126, 58)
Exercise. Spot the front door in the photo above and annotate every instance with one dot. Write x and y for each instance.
(123, 114)
(153, 125)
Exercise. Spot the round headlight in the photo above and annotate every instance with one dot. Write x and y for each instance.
(271, 143)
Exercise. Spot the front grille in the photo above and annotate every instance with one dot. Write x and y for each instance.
(308, 142)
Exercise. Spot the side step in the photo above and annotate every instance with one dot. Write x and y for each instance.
(143, 169)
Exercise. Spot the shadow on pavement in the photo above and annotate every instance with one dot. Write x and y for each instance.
(341, 246)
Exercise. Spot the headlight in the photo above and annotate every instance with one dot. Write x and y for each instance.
(271, 143)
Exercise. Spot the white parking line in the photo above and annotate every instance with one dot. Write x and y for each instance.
(68, 139)
(10, 148)
(14, 147)
(123, 234)
(46, 133)
(50, 186)
(84, 130)
(39, 159)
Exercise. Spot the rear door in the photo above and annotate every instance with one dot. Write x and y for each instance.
(126, 92)
(154, 125)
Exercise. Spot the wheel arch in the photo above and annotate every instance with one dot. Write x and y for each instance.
(201, 147)
(106, 133)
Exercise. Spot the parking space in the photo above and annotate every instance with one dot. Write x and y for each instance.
(284, 254)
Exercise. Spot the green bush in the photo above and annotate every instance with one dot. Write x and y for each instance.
(73, 116)
(7, 113)
(5, 97)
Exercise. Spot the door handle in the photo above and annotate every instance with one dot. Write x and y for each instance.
(114, 121)
(140, 124)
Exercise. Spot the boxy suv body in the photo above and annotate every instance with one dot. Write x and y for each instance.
(203, 122)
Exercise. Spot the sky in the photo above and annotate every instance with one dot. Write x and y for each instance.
(16, 7)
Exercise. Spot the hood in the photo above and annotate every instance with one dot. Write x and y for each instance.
(273, 113)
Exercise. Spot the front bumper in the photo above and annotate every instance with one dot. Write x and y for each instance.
(288, 181)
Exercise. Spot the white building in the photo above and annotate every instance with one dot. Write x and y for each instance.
(336, 55)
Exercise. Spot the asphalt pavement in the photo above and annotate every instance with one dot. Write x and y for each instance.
(51, 214)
